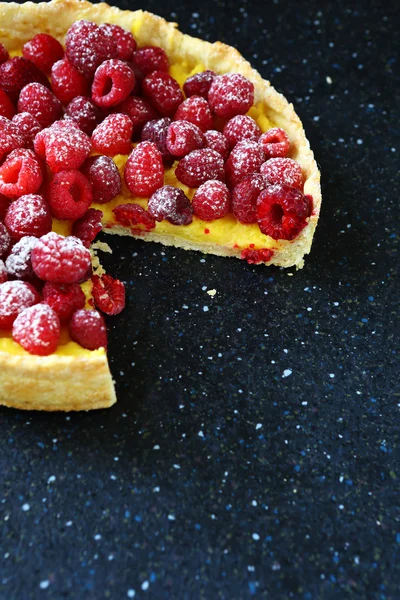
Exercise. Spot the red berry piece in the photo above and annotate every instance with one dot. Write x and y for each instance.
(282, 212)
(230, 95)
(7, 108)
(196, 110)
(139, 111)
(60, 259)
(184, 137)
(163, 92)
(40, 102)
(18, 262)
(16, 73)
(4, 204)
(124, 40)
(3, 54)
(84, 113)
(283, 170)
(69, 195)
(29, 215)
(113, 135)
(3, 272)
(172, 204)
(199, 84)
(15, 296)
(28, 127)
(241, 128)
(255, 257)
(88, 328)
(156, 131)
(67, 83)
(131, 215)
(10, 137)
(108, 294)
(5, 240)
(275, 143)
(87, 46)
(245, 159)
(211, 201)
(63, 145)
(144, 170)
(20, 174)
(150, 59)
(37, 330)
(43, 50)
(218, 142)
(64, 298)
(244, 198)
(113, 82)
(87, 227)
(104, 178)
(199, 166)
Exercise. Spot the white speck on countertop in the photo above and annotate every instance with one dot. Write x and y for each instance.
(255, 537)
(287, 372)
(44, 584)
(26, 507)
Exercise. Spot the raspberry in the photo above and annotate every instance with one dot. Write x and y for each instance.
(28, 127)
(139, 111)
(108, 294)
(244, 198)
(19, 261)
(163, 92)
(275, 142)
(4, 204)
(196, 110)
(67, 82)
(211, 201)
(20, 173)
(87, 227)
(124, 40)
(150, 59)
(199, 166)
(113, 135)
(88, 328)
(87, 46)
(184, 137)
(283, 170)
(29, 215)
(41, 103)
(69, 195)
(10, 137)
(60, 259)
(199, 84)
(16, 73)
(104, 178)
(3, 272)
(15, 296)
(231, 95)
(37, 330)
(156, 131)
(130, 215)
(245, 159)
(113, 82)
(5, 240)
(84, 113)
(282, 211)
(216, 141)
(43, 50)
(64, 298)
(172, 204)
(3, 54)
(144, 170)
(7, 108)
(63, 145)
(241, 128)
(255, 257)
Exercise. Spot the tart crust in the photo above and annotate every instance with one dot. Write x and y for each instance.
(84, 382)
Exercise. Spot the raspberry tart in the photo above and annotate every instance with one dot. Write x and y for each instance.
(116, 121)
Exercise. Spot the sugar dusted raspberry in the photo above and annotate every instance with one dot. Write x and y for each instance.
(199, 84)
(28, 127)
(199, 166)
(131, 215)
(43, 50)
(7, 108)
(19, 261)
(196, 110)
(88, 328)
(87, 46)
(218, 142)
(29, 215)
(275, 143)
(282, 211)
(84, 113)
(144, 170)
(139, 111)
(69, 195)
(20, 174)
(241, 128)
(87, 227)
(3, 272)
(184, 137)
(172, 204)
(37, 330)
(255, 257)
(60, 259)
(40, 102)
(244, 198)
(15, 296)
(113, 135)
(104, 178)
(124, 40)
(16, 73)
(67, 82)
(151, 58)
(3, 54)
(283, 170)
(230, 95)
(211, 201)
(245, 159)
(64, 298)
(113, 82)
(10, 137)
(163, 92)
(5, 240)
(108, 294)
(63, 145)
(156, 131)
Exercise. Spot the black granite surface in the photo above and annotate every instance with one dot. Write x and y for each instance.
(254, 450)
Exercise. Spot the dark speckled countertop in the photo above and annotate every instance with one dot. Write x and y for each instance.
(254, 450)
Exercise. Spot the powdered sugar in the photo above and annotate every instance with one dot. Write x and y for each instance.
(18, 263)
(37, 329)
(15, 296)
(172, 204)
